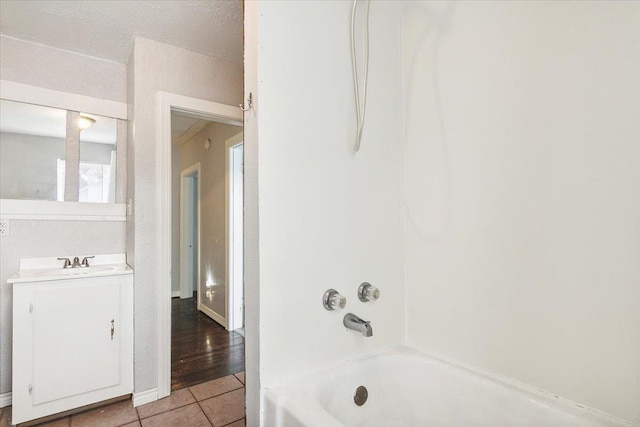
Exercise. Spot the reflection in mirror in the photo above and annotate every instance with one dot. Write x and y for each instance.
(97, 158)
(35, 148)
(32, 142)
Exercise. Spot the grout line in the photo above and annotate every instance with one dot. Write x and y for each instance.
(239, 378)
(194, 396)
(218, 395)
(205, 414)
(168, 410)
(211, 422)
(173, 409)
(140, 418)
(239, 419)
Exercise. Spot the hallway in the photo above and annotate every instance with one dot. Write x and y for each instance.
(201, 349)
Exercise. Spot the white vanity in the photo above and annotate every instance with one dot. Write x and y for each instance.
(72, 334)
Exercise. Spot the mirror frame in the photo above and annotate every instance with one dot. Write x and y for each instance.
(54, 210)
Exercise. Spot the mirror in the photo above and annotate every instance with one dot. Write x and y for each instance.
(97, 171)
(35, 148)
(32, 140)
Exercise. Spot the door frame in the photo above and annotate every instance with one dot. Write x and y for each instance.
(234, 320)
(186, 223)
(167, 102)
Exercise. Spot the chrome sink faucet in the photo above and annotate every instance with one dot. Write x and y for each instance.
(85, 261)
(351, 321)
(76, 262)
(67, 262)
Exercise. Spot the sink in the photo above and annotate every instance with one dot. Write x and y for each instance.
(76, 271)
(50, 268)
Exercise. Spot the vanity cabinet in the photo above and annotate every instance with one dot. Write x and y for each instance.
(72, 343)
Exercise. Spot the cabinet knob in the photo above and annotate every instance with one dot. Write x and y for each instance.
(113, 328)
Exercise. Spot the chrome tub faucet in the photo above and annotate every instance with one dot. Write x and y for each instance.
(351, 321)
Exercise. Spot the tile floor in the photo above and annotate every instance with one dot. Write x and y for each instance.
(215, 403)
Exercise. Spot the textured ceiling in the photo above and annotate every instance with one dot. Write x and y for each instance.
(106, 29)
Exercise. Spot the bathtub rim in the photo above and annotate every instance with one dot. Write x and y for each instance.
(280, 392)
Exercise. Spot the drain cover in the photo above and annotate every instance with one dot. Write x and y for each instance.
(360, 395)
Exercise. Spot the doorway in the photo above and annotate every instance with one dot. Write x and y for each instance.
(201, 262)
(234, 148)
(189, 230)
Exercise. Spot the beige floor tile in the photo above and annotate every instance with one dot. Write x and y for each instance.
(5, 421)
(114, 415)
(226, 408)
(240, 376)
(190, 415)
(60, 422)
(175, 400)
(215, 387)
(134, 424)
(240, 423)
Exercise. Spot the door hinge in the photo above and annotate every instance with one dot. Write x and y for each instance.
(30, 388)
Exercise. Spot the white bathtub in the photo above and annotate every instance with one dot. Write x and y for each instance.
(409, 388)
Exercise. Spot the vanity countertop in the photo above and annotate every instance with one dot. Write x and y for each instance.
(50, 268)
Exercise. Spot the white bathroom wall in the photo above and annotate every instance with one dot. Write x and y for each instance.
(522, 160)
(328, 218)
(157, 67)
(52, 68)
(213, 208)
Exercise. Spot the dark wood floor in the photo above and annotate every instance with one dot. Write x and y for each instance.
(201, 349)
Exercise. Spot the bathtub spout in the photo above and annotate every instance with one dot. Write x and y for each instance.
(352, 321)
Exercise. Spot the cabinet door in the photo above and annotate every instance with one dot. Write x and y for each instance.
(74, 348)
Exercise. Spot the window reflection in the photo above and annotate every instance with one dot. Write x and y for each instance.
(97, 159)
(32, 140)
(35, 148)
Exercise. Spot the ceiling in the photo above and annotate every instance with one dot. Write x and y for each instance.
(184, 127)
(106, 28)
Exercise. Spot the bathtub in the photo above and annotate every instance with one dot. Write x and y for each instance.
(409, 388)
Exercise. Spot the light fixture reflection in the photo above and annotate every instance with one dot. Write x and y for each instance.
(85, 122)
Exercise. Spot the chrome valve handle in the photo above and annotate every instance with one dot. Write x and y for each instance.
(368, 292)
(332, 300)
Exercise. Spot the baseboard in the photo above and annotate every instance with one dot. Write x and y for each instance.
(146, 396)
(175, 294)
(5, 399)
(212, 314)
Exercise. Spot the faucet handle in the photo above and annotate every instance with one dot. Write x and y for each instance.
(67, 262)
(332, 300)
(368, 292)
(85, 261)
